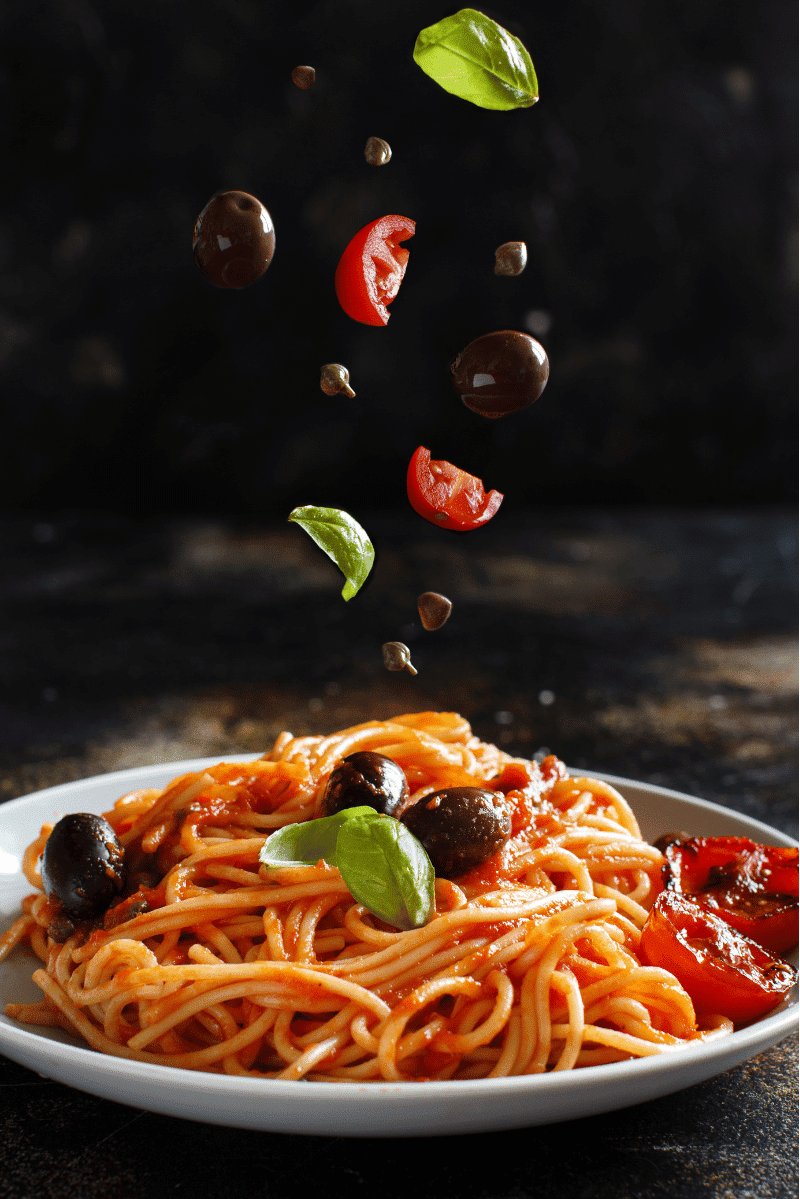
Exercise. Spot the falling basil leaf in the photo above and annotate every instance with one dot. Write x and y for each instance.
(387, 870)
(473, 57)
(342, 539)
(304, 844)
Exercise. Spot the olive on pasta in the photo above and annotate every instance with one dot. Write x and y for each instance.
(365, 778)
(460, 828)
(83, 865)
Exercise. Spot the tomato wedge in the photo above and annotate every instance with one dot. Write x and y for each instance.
(447, 496)
(723, 972)
(753, 887)
(371, 269)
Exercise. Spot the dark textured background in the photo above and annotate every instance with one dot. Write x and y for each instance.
(180, 615)
(652, 184)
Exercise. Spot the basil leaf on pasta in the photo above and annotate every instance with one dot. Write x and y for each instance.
(304, 844)
(343, 540)
(387, 870)
(473, 57)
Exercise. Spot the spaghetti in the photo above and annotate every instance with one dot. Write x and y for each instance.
(217, 963)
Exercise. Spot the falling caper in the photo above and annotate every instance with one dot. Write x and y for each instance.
(377, 152)
(510, 258)
(397, 656)
(304, 77)
(334, 378)
(434, 609)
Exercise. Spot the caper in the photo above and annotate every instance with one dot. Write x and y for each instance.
(511, 258)
(334, 378)
(304, 77)
(365, 778)
(83, 865)
(459, 827)
(377, 152)
(397, 656)
(433, 609)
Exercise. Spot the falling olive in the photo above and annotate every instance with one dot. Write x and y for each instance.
(234, 240)
(500, 373)
(334, 378)
(365, 778)
(83, 865)
(397, 656)
(511, 258)
(304, 77)
(459, 827)
(433, 609)
(377, 152)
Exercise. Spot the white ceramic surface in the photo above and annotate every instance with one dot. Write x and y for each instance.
(353, 1109)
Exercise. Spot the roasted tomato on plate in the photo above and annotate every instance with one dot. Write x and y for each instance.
(447, 496)
(724, 972)
(752, 887)
(371, 269)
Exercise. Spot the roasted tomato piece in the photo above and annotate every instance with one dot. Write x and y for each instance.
(752, 887)
(723, 972)
(371, 269)
(447, 496)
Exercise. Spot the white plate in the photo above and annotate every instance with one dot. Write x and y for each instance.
(356, 1109)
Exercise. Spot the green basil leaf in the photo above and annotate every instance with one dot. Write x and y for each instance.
(473, 57)
(387, 870)
(342, 539)
(304, 844)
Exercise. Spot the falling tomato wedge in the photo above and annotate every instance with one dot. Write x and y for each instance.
(447, 496)
(371, 269)
(724, 972)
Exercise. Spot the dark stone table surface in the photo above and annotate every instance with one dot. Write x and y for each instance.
(657, 645)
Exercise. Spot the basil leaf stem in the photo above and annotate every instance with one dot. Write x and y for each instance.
(473, 57)
(343, 540)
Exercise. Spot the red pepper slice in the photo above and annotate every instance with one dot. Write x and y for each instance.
(753, 887)
(723, 972)
(447, 496)
(371, 269)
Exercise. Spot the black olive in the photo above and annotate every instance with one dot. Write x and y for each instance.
(500, 373)
(234, 239)
(83, 865)
(365, 778)
(460, 828)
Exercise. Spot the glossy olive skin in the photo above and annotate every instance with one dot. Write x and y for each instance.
(83, 865)
(500, 373)
(365, 778)
(459, 827)
(233, 240)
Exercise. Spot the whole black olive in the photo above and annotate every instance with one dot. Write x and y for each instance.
(460, 828)
(500, 373)
(234, 239)
(365, 778)
(83, 865)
